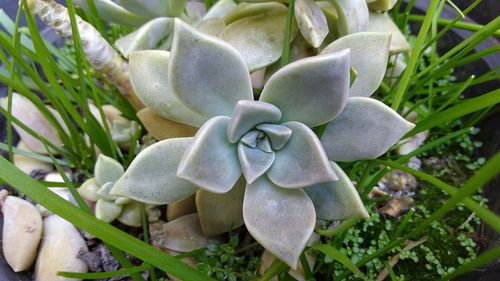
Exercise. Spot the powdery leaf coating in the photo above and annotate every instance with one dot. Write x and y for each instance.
(245, 10)
(220, 9)
(303, 152)
(258, 39)
(155, 8)
(161, 128)
(369, 57)
(248, 114)
(281, 220)
(211, 161)
(220, 213)
(366, 129)
(254, 161)
(110, 11)
(149, 77)
(151, 178)
(107, 170)
(278, 134)
(383, 23)
(352, 15)
(182, 234)
(313, 90)
(311, 21)
(336, 200)
(147, 37)
(206, 74)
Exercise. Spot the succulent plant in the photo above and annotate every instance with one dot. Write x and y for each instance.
(135, 12)
(258, 162)
(109, 207)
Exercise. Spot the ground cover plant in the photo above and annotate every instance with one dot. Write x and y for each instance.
(229, 114)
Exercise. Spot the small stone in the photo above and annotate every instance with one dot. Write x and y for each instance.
(61, 244)
(396, 206)
(22, 231)
(27, 164)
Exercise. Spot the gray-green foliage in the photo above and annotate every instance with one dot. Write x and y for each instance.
(268, 142)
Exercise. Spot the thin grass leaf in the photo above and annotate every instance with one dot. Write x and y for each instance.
(98, 228)
(485, 258)
(103, 275)
(466, 107)
(285, 56)
(33, 155)
(343, 226)
(275, 269)
(343, 259)
(415, 54)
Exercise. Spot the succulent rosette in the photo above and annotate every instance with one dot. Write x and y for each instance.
(258, 162)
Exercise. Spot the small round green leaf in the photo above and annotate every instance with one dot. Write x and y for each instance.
(107, 170)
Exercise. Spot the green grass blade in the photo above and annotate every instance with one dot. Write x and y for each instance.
(483, 259)
(275, 269)
(98, 228)
(459, 110)
(103, 275)
(338, 256)
(285, 56)
(415, 55)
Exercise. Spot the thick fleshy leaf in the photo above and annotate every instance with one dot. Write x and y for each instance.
(182, 234)
(148, 75)
(161, 128)
(220, 9)
(212, 27)
(107, 211)
(110, 11)
(353, 16)
(302, 161)
(250, 138)
(181, 208)
(311, 21)
(207, 74)
(366, 129)
(211, 161)
(155, 8)
(336, 200)
(281, 220)
(312, 90)
(245, 10)
(220, 213)
(278, 134)
(151, 178)
(258, 39)
(131, 215)
(382, 5)
(369, 57)
(107, 169)
(254, 162)
(26, 112)
(248, 114)
(88, 190)
(383, 23)
(147, 37)
(264, 144)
